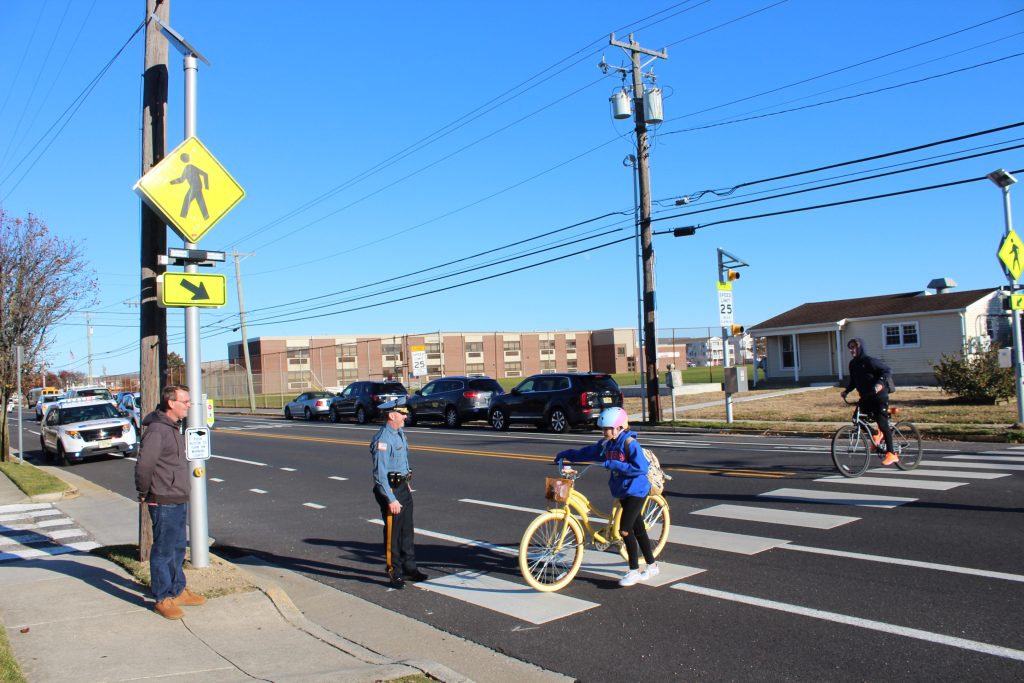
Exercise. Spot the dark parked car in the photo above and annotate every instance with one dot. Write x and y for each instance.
(453, 400)
(360, 400)
(556, 401)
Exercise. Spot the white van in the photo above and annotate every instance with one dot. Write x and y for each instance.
(34, 394)
(93, 390)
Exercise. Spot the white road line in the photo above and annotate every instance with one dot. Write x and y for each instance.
(502, 549)
(952, 641)
(721, 540)
(31, 553)
(244, 462)
(338, 478)
(506, 597)
(973, 465)
(41, 524)
(287, 469)
(909, 563)
(32, 514)
(891, 483)
(749, 513)
(837, 498)
(611, 565)
(215, 479)
(257, 490)
(989, 455)
(315, 506)
(942, 473)
(22, 507)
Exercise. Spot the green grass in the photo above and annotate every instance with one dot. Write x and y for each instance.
(127, 557)
(32, 480)
(10, 672)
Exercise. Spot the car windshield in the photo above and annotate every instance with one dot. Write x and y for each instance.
(389, 388)
(97, 411)
(486, 385)
(98, 393)
(50, 398)
(321, 394)
(601, 383)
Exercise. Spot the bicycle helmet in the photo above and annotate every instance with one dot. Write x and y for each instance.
(612, 417)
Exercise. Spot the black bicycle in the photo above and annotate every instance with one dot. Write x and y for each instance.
(855, 443)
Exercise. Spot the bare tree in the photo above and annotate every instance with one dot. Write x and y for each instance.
(42, 280)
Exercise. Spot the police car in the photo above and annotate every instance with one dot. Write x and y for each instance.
(79, 428)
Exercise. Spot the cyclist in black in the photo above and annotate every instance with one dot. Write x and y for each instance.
(869, 376)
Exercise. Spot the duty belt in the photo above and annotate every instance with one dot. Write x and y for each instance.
(396, 479)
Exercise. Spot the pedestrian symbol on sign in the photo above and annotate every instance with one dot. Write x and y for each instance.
(197, 180)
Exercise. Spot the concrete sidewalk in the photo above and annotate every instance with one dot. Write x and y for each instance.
(71, 616)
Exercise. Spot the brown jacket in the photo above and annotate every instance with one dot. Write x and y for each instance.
(161, 471)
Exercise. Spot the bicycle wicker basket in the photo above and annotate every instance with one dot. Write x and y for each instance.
(557, 489)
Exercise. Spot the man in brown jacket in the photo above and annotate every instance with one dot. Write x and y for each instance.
(162, 481)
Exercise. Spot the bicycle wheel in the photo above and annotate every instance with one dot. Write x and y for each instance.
(851, 450)
(548, 559)
(657, 522)
(907, 442)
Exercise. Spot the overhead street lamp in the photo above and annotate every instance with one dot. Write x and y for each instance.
(1003, 179)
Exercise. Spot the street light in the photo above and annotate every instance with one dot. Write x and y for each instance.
(1002, 178)
(630, 161)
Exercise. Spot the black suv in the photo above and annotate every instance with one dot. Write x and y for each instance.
(556, 401)
(360, 400)
(453, 400)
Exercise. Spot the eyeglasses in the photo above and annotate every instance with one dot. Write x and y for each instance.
(187, 401)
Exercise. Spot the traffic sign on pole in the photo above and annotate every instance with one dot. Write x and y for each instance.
(190, 189)
(1011, 254)
(192, 289)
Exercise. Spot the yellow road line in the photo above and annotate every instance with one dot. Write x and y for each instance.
(510, 456)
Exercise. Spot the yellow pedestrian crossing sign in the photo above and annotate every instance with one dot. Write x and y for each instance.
(192, 289)
(1011, 254)
(190, 190)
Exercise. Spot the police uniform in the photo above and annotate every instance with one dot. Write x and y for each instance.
(391, 474)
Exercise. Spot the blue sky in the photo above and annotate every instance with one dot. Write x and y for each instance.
(378, 140)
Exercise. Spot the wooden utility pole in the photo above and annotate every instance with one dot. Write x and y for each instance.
(633, 49)
(245, 336)
(152, 318)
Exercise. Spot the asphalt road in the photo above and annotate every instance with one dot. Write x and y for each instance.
(928, 586)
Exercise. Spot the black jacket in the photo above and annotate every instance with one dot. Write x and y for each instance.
(161, 472)
(866, 372)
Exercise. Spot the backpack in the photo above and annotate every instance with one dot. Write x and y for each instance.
(655, 474)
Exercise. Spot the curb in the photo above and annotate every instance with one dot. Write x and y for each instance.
(72, 492)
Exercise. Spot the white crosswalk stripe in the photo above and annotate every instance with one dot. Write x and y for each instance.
(891, 483)
(38, 530)
(750, 513)
(837, 497)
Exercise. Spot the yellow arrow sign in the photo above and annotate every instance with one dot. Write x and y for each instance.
(1017, 302)
(193, 289)
(1011, 254)
(190, 189)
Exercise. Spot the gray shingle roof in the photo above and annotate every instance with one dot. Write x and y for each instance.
(823, 312)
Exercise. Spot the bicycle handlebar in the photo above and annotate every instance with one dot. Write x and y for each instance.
(847, 401)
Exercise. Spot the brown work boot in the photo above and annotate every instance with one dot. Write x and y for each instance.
(167, 609)
(188, 599)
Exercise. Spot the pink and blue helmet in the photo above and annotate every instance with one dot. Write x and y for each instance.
(612, 417)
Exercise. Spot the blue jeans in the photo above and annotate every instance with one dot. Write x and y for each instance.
(166, 576)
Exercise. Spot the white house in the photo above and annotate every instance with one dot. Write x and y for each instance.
(910, 332)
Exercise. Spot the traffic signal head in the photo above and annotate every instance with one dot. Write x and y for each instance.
(736, 330)
(731, 275)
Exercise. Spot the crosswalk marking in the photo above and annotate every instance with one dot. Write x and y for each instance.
(972, 465)
(892, 629)
(891, 483)
(989, 455)
(721, 540)
(29, 513)
(838, 498)
(749, 513)
(315, 506)
(498, 595)
(612, 566)
(38, 530)
(960, 474)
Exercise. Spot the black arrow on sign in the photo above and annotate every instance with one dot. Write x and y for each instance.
(198, 292)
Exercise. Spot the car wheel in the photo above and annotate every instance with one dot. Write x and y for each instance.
(287, 414)
(499, 420)
(335, 417)
(361, 415)
(308, 414)
(557, 421)
(410, 419)
(62, 457)
(451, 417)
(42, 447)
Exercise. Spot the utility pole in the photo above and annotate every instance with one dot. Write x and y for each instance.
(245, 336)
(633, 49)
(88, 343)
(153, 318)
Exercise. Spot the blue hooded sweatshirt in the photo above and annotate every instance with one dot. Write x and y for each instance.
(628, 465)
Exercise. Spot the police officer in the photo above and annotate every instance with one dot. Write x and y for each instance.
(391, 475)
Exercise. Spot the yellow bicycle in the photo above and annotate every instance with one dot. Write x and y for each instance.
(551, 551)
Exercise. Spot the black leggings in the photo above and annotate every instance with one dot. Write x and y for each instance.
(634, 532)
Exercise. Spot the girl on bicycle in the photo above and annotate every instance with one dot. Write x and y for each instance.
(619, 451)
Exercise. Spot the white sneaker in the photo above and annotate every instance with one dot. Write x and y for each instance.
(650, 572)
(631, 577)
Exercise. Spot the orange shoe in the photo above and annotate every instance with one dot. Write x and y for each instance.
(890, 459)
(876, 438)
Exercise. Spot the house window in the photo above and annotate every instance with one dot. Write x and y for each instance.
(511, 346)
(547, 344)
(474, 347)
(790, 355)
(570, 345)
(391, 350)
(900, 335)
(474, 368)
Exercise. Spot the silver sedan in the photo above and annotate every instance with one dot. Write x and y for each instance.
(311, 405)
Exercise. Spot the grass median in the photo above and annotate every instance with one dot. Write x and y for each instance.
(217, 579)
(32, 480)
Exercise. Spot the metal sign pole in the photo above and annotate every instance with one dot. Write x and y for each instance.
(198, 522)
(20, 355)
(1018, 353)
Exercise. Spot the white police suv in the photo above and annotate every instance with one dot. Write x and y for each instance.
(79, 428)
